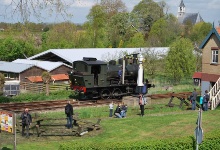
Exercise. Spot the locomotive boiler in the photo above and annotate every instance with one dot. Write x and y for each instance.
(97, 79)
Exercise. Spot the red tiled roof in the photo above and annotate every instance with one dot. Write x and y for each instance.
(60, 77)
(35, 79)
(57, 77)
(218, 30)
(210, 77)
(197, 75)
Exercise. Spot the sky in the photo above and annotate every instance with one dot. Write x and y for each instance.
(208, 9)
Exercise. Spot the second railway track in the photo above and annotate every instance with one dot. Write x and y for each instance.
(59, 104)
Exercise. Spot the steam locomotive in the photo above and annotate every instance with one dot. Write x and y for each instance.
(97, 79)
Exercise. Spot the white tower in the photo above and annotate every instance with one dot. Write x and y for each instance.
(181, 9)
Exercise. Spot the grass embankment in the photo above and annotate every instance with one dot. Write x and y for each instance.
(160, 122)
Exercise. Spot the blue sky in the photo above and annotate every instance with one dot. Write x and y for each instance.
(208, 9)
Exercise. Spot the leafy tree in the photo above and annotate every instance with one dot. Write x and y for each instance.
(10, 50)
(180, 61)
(148, 12)
(46, 77)
(97, 22)
(198, 34)
(164, 31)
(2, 82)
(200, 31)
(59, 36)
(119, 28)
(136, 41)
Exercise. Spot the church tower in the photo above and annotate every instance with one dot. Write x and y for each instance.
(181, 10)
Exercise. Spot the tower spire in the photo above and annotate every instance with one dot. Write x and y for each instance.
(181, 9)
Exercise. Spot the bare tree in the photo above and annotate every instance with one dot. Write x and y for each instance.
(28, 8)
(46, 77)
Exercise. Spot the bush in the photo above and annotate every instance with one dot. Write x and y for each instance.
(29, 97)
(211, 141)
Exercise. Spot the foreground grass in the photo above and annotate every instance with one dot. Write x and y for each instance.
(159, 122)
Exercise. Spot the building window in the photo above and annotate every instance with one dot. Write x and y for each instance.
(6, 75)
(214, 56)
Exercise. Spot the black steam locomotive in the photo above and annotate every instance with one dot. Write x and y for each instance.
(98, 79)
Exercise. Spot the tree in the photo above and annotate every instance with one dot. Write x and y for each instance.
(152, 62)
(180, 61)
(164, 31)
(96, 26)
(198, 34)
(2, 82)
(118, 28)
(136, 41)
(112, 7)
(46, 77)
(28, 8)
(61, 35)
(148, 12)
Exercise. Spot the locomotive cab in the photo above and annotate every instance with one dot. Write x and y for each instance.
(88, 73)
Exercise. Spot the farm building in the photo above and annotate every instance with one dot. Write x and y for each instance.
(68, 56)
(23, 71)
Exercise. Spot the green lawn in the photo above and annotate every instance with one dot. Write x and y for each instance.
(160, 122)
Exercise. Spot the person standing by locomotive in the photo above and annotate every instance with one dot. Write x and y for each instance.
(193, 99)
(120, 71)
(26, 120)
(111, 107)
(141, 103)
(69, 115)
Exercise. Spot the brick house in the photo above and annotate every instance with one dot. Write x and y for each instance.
(211, 65)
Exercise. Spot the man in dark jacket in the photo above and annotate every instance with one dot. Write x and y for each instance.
(26, 121)
(193, 99)
(69, 115)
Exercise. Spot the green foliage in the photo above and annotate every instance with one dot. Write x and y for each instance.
(200, 31)
(30, 97)
(148, 12)
(10, 50)
(212, 141)
(164, 31)
(180, 61)
(136, 41)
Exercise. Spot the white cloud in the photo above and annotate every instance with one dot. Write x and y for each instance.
(5, 2)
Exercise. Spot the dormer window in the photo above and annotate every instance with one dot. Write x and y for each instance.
(214, 56)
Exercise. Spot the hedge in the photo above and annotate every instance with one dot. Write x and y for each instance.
(211, 141)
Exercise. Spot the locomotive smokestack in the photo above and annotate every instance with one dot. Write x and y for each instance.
(140, 71)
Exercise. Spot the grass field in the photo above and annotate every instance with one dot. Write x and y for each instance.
(159, 122)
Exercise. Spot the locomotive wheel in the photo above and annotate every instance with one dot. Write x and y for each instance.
(105, 94)
(117, 93)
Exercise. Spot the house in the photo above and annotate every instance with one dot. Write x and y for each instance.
(18, 71)
(211, 65)
(184, 17)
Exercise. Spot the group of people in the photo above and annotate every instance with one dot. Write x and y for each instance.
(26, 119)
(120, 111)
(204, 100)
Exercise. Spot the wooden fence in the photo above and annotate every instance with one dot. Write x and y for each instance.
(41, 87)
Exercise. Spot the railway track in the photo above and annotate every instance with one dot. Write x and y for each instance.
(60, 104)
